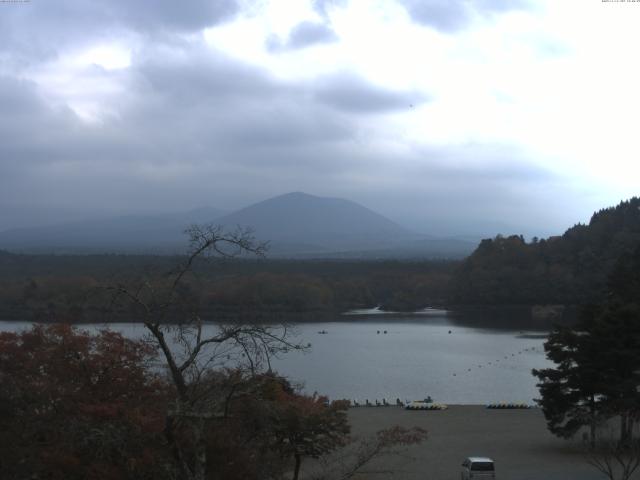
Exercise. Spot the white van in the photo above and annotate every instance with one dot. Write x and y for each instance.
(478, 468)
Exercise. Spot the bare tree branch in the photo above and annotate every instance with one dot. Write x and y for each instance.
(164, 308)
(391, 441)
(614, 459)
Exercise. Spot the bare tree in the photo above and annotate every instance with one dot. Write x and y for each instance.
(190, 348)
(360, 454)
(615, 459)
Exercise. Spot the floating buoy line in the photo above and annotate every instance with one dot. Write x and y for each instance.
(497, 361)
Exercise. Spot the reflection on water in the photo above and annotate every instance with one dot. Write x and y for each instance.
(509, 318)
(430, 355)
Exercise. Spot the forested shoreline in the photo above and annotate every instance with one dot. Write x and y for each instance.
(549, 277)
(76, 288)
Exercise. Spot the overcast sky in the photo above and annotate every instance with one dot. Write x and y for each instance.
(448, 116)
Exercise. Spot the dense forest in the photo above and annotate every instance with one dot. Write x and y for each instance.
(570, 269)
(75, 288)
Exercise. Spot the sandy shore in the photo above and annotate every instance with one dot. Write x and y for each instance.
(517, 440)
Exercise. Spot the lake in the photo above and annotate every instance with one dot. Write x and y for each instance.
(429, 354)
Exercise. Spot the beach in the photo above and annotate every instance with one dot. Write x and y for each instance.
(517, 440)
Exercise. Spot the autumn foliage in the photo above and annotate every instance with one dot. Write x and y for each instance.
(80, 405)
(75, 405)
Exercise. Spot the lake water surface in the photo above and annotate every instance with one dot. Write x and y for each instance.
(420, 355)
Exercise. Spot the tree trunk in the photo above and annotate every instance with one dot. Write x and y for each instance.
(296, 470)
(200, 447)
(624, 429)
(184, 470)
(176, 374)
(593, 425)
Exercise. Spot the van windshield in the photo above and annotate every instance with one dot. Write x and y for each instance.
(482, 466)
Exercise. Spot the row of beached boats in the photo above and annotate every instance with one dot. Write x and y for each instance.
(428, 404)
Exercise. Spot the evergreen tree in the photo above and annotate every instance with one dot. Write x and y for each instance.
(597, 373)
(571, 392)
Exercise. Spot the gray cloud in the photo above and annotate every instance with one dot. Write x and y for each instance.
(230, 107)
(303, 35)
(469, 189)
(198, 128)
(28, 126)
(147, 15)
(310, 33)
(36, 30)
(201, 75)
(350, 93)
(195, 126)
(205, 129)
(453, 15)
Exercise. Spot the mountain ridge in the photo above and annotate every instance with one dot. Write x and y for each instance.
(296, 224)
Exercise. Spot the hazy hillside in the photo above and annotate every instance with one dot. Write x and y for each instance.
(568, 269)
(295, 224)
(157, 234)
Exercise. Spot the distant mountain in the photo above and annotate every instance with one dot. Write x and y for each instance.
(139, 233)
(302, 225)
(308, 223)
(296, 225)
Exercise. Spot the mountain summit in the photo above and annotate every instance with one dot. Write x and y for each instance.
(307, 222)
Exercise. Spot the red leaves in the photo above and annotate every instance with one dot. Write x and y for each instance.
(310, 425)
(86, 403)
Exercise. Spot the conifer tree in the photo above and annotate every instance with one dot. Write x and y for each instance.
(597, 373)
